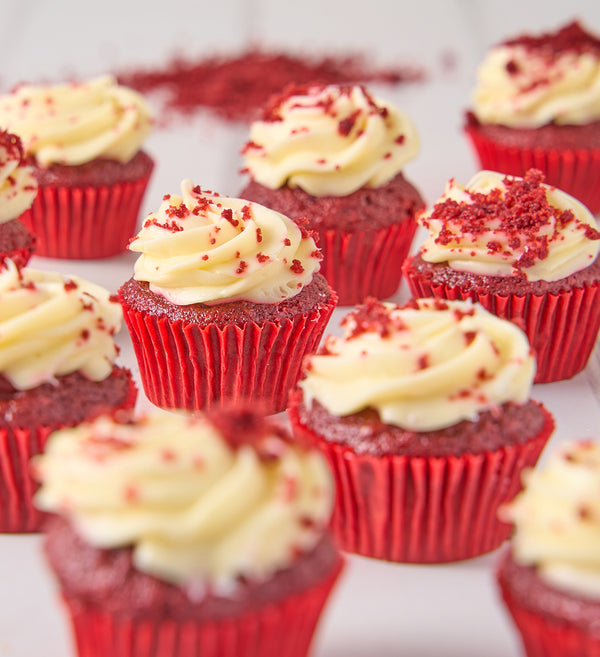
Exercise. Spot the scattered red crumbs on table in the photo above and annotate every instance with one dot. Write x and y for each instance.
(236, 87)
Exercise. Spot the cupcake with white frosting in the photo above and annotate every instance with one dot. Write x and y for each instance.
(550, 576)
(224, 303)
(200, 536)
(84, 142)
(424, 414)
(333, 156)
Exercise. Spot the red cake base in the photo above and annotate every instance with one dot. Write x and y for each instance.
(16, 242)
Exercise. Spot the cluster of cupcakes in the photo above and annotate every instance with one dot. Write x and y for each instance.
(207, 528)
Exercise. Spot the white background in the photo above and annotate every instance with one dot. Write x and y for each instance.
(379, 608)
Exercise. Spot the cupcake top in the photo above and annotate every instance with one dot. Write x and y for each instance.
(531, 81)
(557, 519)
(18, 185)
(424, 366)
(201, 247)
(329, 140)
(52, 325)
(501, 225)
(203, 500)
(76, 122)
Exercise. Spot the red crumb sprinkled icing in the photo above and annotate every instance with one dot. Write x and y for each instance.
(114, 298)
(345, 125)
(228, 215)
(242, 267)
(12, 145)
(261, 257)
(296, 266)
(69, 285)
(520, 213)
(85, 334)
(373, 317)
(180, 211)
(259, 235)
(423, 362)
(570, 38)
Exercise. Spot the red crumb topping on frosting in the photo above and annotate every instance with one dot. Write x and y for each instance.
(570, 38)
(69, 285)
(373, 317)
(520, 212)
(12, 145)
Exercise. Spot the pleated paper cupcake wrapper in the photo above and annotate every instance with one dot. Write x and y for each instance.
(17, 487)
(545, 637)
(85, 222)
(184, 366)
(562, 328)
(366, 263)
(573, 171)
(283, 629)
(417, 509)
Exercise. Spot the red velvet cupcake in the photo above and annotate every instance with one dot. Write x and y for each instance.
(224, 303)
(83, 141)
(56, 370)
(333, 156)
(525, 251)
(537, 105)
(424, 415)
(18, 188)
(550, 579)
(200, 537)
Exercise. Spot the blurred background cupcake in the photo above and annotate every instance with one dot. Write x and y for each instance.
(224, 303)
(550, 577)
(200, 537)
(84, 143)
(57, 354)
(423, 412)
(334, 155)
(524, 250)
(537, 104)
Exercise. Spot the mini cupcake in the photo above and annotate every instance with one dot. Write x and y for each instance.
(527, 252)
(57, 369)
(18, 188)
(537, 104)
(224, 303)
(83, 142)
(550, 578)
(195, 537)
(423, 412)
(333, 156)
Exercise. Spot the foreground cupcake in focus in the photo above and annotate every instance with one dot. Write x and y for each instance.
(423, 412)
(225, 301)
(550, 578)
(195, 537)
(527, 252)
(57, 369)
(84, 143)
(18, 188)
(333, 156)
(537, 104)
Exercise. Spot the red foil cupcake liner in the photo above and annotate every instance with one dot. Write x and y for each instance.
(17, 487)
(272, 630)
(85, 222)
(553, 322)
(188, 367)
(573, 171)
(365, 263)
(546, 637)
(423, 509)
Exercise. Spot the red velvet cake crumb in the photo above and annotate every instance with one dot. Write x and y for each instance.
(570, 38)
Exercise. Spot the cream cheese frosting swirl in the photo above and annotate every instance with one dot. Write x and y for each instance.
(204, 248)
(199, 503)
(330, 141)
(530, 82)
(52, 325)
(557, 519)
(500, 225)
(75, 123)
(18, 186)
(424, 366)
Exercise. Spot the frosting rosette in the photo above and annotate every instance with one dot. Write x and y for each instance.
(500, 225)
(18, 185)
(425, 366)
(74, 123)
(52, 325)
(199, 500)
(201, 247)
(329, 140)
(557, 519)
(533, 81)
